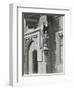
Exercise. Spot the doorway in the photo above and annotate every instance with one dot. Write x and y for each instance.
(35, 63)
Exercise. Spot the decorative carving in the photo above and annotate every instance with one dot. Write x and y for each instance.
(27, 40)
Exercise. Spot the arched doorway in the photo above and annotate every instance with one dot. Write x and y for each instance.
(32, 58)
(26, 56)
(35, 63)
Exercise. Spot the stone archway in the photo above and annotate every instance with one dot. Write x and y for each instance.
(26, 55)
(30, 44)
(31, 59)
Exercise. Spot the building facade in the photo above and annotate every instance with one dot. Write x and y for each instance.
(43, 44)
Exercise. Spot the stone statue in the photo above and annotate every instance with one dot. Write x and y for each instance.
(44, 27)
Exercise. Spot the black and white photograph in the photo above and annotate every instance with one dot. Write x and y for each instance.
(42, 43)
(39, 44)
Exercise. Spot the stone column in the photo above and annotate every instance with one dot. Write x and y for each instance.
(44, 63)
(45, 51)
(26, 61)
(59, 63)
